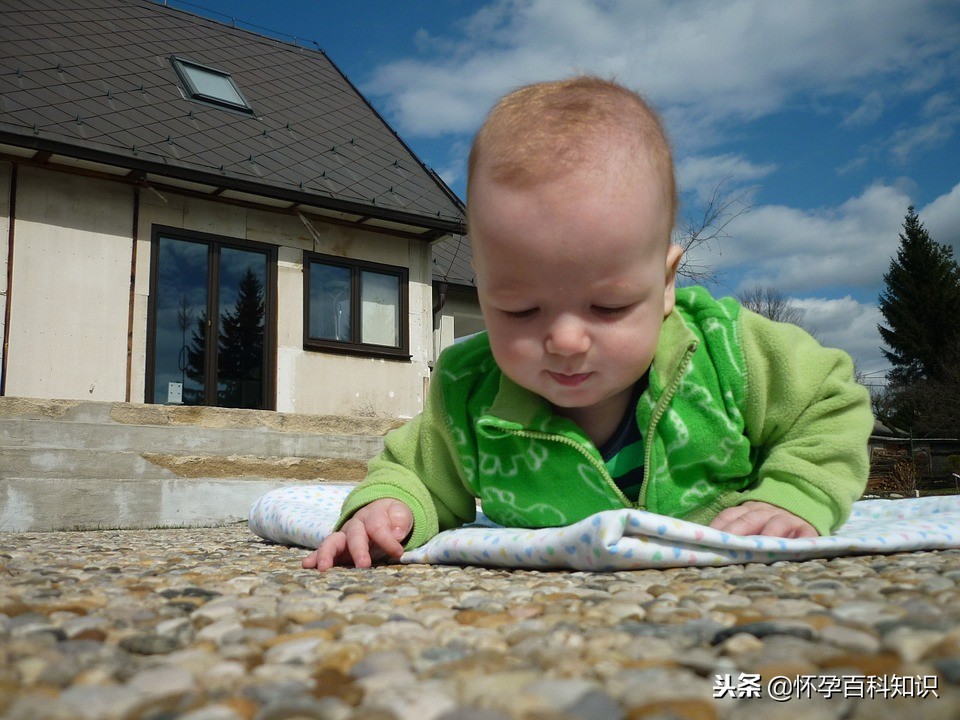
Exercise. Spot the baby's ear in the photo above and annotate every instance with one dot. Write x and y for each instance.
(674, 254)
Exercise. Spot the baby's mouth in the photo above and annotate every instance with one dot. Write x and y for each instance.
(569, 379)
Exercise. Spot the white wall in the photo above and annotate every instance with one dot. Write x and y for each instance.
(327, 383)
(70, 287)
(6, 171)
(71, 294)
(307, 381)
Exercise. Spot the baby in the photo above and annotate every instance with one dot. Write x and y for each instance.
(599, 384)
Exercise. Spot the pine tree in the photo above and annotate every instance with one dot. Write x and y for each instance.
(196, 359)
(921, 304)
(241, 347)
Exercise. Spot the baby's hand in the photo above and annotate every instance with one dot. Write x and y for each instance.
(760, 518)
(381, 525)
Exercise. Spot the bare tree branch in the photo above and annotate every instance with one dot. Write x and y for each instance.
(772, 304)
(706, 228)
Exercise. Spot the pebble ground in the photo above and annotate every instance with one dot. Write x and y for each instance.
(215, 624)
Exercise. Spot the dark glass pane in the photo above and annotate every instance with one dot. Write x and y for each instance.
(240, 344)
(181, 322)
(329, 302)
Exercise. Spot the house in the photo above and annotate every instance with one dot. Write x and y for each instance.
(192, 213)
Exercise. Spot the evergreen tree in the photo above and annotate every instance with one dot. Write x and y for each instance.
(239, 351)
(195, 367)
(921, 304)
(240, 359)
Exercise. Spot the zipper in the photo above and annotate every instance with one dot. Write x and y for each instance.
(658, 411)
(600, 467)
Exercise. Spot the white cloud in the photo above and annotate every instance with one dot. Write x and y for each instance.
(919, 138)
(852, 165)
(868, 112)
(703, 63)
(847, 324)
(941, 218)
(806, 255)
(454, 170)
(801, 251)
(933, 127)
(941, 116)
(702, 174)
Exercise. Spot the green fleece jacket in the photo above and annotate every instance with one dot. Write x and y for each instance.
(737, 408)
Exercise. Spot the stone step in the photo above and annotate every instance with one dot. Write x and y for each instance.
(183, 440)
(81, 465)
(47, 462)
(92, 464)
(36, 505)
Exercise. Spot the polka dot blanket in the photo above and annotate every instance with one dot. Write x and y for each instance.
(622, 539)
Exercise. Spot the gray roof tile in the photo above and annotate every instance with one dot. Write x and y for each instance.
(108, 62)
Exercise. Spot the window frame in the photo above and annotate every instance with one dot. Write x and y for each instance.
(215, 244)
(181, 65)
(354, 346)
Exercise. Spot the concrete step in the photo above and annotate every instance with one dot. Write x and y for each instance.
(36, 505)
(93, 464)
(82, 465)
(181, 440)
(47, 462)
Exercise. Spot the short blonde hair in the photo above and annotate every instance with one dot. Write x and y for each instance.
(546, 128)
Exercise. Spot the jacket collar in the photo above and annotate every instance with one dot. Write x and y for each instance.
(676, 338)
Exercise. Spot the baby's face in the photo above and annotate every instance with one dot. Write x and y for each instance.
(575, 277)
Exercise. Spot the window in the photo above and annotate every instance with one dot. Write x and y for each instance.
(211, 338)
(209, 85)
(356, 307)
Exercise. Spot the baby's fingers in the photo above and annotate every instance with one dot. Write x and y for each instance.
(370, 542)
(310, 561)
(326, 556)
(786, 525)
(731, 520)
(358, 538)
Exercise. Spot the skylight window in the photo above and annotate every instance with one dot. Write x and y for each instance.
(209, 85)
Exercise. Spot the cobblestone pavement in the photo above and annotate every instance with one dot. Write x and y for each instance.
(214, 624)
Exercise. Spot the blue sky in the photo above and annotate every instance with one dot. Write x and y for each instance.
(828, 118)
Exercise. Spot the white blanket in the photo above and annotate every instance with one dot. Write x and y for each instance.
(622, 539)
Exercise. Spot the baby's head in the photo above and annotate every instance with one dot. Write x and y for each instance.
(545, 130)
(570, 205)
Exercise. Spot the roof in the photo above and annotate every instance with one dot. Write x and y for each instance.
(453, 262)
(92, 82)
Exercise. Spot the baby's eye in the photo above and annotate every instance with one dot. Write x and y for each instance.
(521, 314)
(610, 311)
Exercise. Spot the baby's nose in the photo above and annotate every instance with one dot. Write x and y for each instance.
(568, 335)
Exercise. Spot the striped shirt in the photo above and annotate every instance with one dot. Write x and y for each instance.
(623, 453)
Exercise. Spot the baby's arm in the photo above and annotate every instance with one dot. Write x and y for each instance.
(810, 421)
(381, 525)
(760, 518)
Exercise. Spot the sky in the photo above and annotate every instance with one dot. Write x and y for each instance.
(820, 121)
